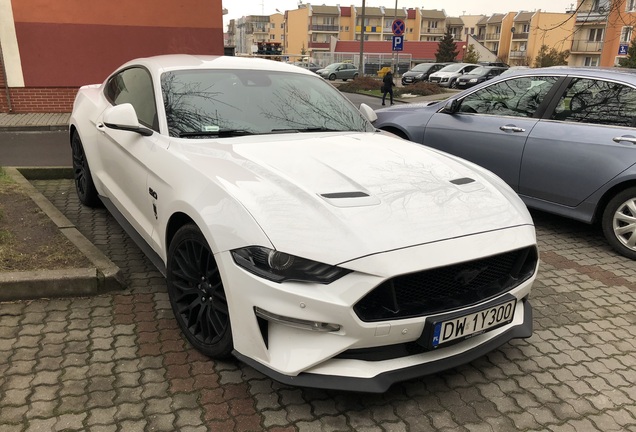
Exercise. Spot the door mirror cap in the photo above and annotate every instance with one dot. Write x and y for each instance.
(368, 112)
(451, 106)
(124, 117)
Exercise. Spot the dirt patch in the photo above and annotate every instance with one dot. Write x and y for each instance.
(29, 240)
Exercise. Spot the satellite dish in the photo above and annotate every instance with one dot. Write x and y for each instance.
(512, 30)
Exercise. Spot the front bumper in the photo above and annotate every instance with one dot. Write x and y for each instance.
(381, 382)
(315, 358)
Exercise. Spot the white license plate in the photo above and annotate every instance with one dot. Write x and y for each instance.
(468, 325)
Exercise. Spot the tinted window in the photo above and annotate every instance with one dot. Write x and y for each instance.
(518, 97)
(134, 86)
(254, 102)
(423, 67)
(597, 102)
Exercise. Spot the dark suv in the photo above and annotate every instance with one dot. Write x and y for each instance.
(421, 72)
(478, 76)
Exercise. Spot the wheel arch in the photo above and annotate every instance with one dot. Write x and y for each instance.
(395, 130)
(608, 195)
(176, 221)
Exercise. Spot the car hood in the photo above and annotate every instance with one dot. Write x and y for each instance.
(413, 73)
(336, 197)
(444, 74)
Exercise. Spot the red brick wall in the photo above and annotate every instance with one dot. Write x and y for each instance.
(42, 100)
(4, 107)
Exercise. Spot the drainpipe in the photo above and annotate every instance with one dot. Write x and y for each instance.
(6, 81)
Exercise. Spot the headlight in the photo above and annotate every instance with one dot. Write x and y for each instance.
(473, 80)
(444, 79)
(279, 267)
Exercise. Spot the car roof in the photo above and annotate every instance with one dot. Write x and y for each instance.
(173, 62)
(624, 74)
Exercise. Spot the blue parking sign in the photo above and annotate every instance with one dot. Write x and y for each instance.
(622, 49)
(398, 43)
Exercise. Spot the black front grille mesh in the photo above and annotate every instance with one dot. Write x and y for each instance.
(446, 288)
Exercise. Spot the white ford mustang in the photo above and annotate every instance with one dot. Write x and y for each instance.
(294, 235)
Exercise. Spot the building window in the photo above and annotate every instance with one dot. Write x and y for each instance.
(630, 5)
(525, 28)
(346, 28)
(272, 37)
(596, 35)
(626, 35)
(432, 24)
(282, 25)
(282, 37)
(591, 61)
(472, 30)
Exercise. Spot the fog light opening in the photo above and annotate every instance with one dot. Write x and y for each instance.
(297, 323)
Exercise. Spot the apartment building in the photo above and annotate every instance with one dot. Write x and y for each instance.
(619, 33)
(589, 32)
(531, 30)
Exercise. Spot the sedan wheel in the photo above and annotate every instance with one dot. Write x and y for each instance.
(453, 84)
(332, 77)
(197, 295)
(84, 185)
(619, 223)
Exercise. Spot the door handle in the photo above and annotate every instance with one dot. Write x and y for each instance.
(629, 139)
(510, 128)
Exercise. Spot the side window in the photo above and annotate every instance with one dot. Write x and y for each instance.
(597, 102)
(517, 97)
(134, 86)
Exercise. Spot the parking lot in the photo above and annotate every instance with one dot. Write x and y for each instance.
(117, 362)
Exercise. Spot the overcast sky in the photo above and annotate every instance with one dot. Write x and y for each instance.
(239, 8)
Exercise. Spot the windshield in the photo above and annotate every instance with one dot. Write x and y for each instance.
(452, 68)
(423, 67)
(479, 71)
(248, 102)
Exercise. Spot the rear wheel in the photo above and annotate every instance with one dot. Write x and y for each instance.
(619, 222)
(197, 295)
(84, 185)
(355, 76)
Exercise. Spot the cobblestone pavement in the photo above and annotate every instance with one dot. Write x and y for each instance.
(118, 363)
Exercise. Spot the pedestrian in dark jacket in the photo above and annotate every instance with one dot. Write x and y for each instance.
(388, 86)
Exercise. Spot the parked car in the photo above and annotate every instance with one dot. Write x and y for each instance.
(478, 76)
(495, 63)
(421, 72)
(308, 65)
(563, 138)
(343, 71)
(292, 233)
(447, 76)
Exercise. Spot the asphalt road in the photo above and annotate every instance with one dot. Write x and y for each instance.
(35, 149)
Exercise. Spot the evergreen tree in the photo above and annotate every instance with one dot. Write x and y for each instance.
(630, 60)
(446, 49)
(471, 56)
(551, 57)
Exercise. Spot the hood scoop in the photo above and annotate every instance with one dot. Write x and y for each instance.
(349, 199)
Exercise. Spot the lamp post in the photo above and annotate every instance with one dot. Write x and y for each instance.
(361, 62)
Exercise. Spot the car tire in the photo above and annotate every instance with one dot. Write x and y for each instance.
(355, 76)
(332, 77)
(345, 79)
(196, 293)
(84, 186)
(619, 222)
(453, 84)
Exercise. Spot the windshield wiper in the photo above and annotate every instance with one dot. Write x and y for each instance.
(313, 129)
(220, 133)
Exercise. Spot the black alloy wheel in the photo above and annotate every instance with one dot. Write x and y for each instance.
(197, 295)
(84, 185)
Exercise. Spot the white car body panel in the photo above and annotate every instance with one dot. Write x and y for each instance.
(405, 216)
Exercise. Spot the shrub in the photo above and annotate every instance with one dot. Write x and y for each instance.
(361, 84)
(422, 88)
(366, 84)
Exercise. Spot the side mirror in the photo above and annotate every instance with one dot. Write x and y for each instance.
(368, 112)
(124, 117)
(451, 106)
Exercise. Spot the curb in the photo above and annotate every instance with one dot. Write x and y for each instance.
(38, 128)
(102, 277)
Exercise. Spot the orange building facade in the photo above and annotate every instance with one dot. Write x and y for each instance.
(50, 48)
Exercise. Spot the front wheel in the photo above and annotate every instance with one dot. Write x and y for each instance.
(197, 295)
(453, 84)
(84, 186)
(619, 223)
(332, 77)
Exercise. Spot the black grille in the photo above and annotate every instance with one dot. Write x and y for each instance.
(442, 289)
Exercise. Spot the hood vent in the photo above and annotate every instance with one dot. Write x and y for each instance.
(349, 199)
(462, 181)
(466, 184)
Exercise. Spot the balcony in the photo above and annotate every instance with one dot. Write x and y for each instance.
(591, 17)
(369, 29)
(586, 46)
(324, 28)
(433, 31)
(518, 54)
(493, 36)
(520, 36)
(479, 37)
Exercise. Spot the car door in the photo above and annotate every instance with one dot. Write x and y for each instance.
(587, 138)
(490, 125)
(125, 154)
